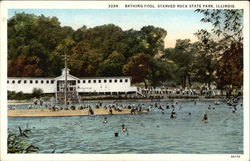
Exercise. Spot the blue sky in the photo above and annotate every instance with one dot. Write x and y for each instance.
(180, 24)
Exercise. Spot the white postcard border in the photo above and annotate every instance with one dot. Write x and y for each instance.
(5, 5)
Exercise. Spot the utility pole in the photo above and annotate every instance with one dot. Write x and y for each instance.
(66, 82)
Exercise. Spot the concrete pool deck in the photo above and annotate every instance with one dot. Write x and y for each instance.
(60, 113)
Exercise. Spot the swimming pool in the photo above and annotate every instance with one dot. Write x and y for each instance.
(147, 133)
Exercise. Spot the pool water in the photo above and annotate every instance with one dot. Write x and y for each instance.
(147, 133)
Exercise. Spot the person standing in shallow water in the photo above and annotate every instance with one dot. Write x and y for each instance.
(205, 119)
(105, 120)
(173, 114)
(124, 128)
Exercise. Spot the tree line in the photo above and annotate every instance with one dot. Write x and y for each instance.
(37, 44)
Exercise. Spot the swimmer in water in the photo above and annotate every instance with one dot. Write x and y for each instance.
(205, 119)
(167, 107)
(105, 120)
(209, 106)
(124, 128)
(173, 114)
(234, 109)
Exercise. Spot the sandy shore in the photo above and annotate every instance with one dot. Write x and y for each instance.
(47, 112)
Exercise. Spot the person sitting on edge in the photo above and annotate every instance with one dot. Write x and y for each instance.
(105, 120)
(205, 119)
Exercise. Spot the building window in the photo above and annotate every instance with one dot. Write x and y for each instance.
(126, 80)
(24, 81)
(121, 80)
(13, 82)
(99, 81)
(52, 81)
(31, 81)
(105, 81)
(110, 81)
(41, 81)
(115, 80)
(78, 81)
(19, 81)
(83, 81)
(7, 82)
(94, 81)
(47, 81)
(36, 81)
(89, 81)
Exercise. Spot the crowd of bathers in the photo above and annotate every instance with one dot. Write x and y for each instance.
(204, 91)
(136, 108)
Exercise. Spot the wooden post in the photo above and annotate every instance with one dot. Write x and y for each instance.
(65, 83)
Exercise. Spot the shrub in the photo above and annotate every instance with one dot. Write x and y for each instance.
(37, 92)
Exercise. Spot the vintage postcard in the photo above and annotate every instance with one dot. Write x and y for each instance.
(124, 80)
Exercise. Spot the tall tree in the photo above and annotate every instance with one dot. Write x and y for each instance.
(228, 26)
(182, 56)
(34, 36)
(161, 71)
(205, 58)
(138, 67)
(152, 39)
(112, 66)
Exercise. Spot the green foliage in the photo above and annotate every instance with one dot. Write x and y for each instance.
(182, 56)
(37, 92)
(12, 95)
(138, 67)
(152, 39)
(161, 71)
(225, 22)
(37, 45)
(230, 68)
(205, 60)
(31, 39)
(17, 144)
(227, 53)
(112, 66)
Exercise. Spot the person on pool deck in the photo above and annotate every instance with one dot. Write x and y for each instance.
(105, 120)
(91, 112)
(205, 119)
(110, 110)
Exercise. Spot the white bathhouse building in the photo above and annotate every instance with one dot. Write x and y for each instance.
(75, 86)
